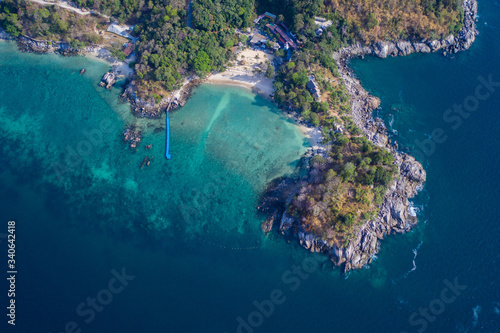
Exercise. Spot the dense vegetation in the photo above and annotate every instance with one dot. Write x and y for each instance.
(348, 186)
(169, 50)
(372, 20)
(217, 15)
(122, 10)
(291, 80)
(9, 18)
(49, 22)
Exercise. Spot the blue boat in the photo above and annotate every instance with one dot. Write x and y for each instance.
(167, 147)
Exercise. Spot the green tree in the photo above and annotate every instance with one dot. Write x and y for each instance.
(202, 63)
(372, 22)
(298, 22)
(11, 23)
(348, 172)
(270, 71)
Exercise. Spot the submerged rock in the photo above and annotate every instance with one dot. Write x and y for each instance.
(132, 136)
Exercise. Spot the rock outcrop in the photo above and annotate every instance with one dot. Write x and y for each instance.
(27, 44)
(149, 108)
(108, 80)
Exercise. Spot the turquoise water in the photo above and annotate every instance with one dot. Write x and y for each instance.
(227, 144)
(187, 229)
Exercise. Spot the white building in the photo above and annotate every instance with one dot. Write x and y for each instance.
(121, 30)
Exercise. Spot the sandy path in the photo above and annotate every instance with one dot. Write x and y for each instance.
(67, 6)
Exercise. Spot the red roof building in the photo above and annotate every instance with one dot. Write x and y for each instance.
(128, 49)
(286, 38)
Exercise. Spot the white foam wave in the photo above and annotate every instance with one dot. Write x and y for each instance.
(415, 209)
(415, 253)
(391, 121)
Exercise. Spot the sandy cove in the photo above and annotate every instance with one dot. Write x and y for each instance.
(247, 71)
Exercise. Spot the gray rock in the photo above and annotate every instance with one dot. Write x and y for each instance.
(421, 48)
(393, 50)
(434, 45)
(450, 40)
(413, 171)
(405, 48)
(286, 223)
(398, 209)
(380, 139)
(384, 49)
(108, 80)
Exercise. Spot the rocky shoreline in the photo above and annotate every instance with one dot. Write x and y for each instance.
(395, 215)
(451, 44)
(28, 44)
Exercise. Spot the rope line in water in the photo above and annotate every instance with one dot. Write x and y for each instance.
(227, 247)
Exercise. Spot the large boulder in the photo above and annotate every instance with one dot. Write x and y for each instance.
(450, 40)
(434, 45)
(286, 223)
(108, 80)
(421, 48)
(384, 49)
(399, 208)
(380, 139)
(413, 171)
(405, 48)
(373, 102)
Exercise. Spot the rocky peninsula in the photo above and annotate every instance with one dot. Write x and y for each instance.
(394, 215)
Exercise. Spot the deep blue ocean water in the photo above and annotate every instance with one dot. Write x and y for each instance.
(187, 229)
